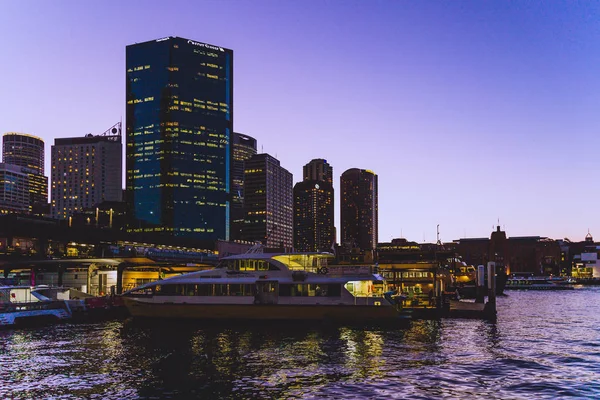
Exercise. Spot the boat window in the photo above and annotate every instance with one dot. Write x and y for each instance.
(285, 290)
(169, 290)
(236, 290)
(262, 265)
(359, 288)
(312, 290)
(334, 290)
(220, 290)
(273, 267)
(204, 290)
(147, 291)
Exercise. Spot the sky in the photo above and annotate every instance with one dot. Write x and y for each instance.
(471, 113)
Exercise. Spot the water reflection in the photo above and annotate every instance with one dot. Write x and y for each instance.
(549, 349)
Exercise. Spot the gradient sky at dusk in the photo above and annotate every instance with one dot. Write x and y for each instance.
(468, 111)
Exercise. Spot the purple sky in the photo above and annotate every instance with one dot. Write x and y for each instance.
(468, 111)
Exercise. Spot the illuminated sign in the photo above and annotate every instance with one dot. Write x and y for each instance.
(163, 39)
(208, 46)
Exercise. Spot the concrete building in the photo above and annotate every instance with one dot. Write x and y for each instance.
(244, 147)
(314, 228)
(359, 209)
(268, 202)
(86, 171)
(23, 150)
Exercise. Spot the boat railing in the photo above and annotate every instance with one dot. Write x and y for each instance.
(41, 305)
(344, 270)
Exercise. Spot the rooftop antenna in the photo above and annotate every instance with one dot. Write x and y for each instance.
(438, 235)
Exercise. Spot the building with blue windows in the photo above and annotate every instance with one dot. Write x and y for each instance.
(179, 128)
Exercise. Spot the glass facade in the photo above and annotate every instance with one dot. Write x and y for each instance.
(21, 189)
(23, 150)
(179, 127)
(359, 208)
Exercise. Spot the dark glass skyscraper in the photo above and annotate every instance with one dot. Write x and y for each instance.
(359, 209)
(244, 147)
(313, 208)
(268, 202)
(179, 127)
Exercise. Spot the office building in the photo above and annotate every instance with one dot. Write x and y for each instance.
(86, 171)
(268, 202)
(318, 170)
(244, 147)
(313, 208)
(179, 127)
(21, 189)
(23, 150)
(359, 210)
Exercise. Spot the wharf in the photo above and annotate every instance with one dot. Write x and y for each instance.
(454, 309)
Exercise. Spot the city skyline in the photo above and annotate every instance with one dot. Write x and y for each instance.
(466, 114)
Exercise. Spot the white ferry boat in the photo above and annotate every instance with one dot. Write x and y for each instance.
(26, 304)
(268, 286)
(539, 283)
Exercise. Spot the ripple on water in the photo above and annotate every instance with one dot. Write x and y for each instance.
(544, 345)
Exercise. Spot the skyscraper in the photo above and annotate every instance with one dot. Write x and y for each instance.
(268, 202)
(86, 171)
(23, 186)
(318, 170)
(179, 128)
(244, 147)
(359, 210)
(313, 208)
(21, 189)
(23, 150)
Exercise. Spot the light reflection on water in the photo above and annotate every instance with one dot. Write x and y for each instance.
(544, 345)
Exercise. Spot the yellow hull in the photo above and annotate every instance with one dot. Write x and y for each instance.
(342, 313)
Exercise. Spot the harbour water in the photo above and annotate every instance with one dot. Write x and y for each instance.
(544, 345)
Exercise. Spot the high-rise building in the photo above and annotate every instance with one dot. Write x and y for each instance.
(23, 150)
(86, 171)
(318, 170)
(313, 208)
(21, 189)
(359, 210)
(268, 202)
(179, 127)
(244, 147)
(23, 186)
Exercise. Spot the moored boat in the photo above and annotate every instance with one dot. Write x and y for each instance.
(269, 286)
(22, 305)
(539, 283)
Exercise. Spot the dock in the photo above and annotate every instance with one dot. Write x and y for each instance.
(471, 310)
(454, 309)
